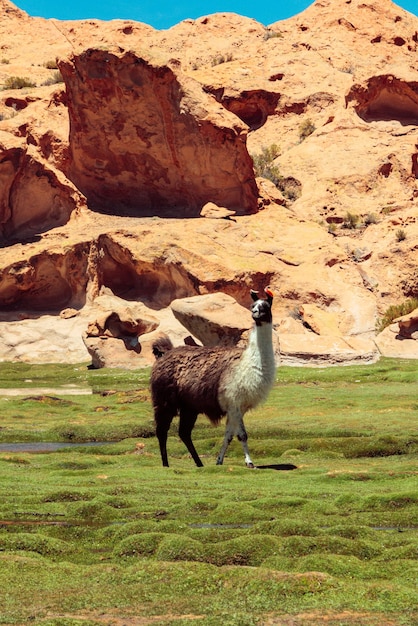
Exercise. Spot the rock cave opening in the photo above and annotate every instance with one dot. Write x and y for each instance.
(120, 278)
(388, 106)
(154, 283)
(250, 113)
(386, 98)
(46, 294)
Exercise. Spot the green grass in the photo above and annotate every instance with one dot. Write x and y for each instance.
(105, 535)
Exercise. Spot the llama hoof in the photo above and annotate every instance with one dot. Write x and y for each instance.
(251, 465)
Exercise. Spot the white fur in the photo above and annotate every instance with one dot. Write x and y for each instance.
(246, 385)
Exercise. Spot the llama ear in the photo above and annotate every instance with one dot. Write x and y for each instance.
(269, 294)
(254, 295)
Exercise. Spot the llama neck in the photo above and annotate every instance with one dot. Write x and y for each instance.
(249, 381)
(260, 347)
(261, 338)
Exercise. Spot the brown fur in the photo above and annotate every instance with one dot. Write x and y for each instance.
(161, 346)
(174, 387)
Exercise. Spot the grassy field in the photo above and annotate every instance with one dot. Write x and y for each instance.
(103, 535)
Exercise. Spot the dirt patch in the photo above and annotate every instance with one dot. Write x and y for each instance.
(114, 620)
(344, 618)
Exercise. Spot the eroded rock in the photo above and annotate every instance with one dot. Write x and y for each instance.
(213, 319)
(33, 197)
(385, 97)
(112, 338)
(312, 349)
(146, 140)
(347, 164)
(408, 325)
(49, 281)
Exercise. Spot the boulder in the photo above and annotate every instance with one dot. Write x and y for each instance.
(408, 325)
(213, 211)
(118, 318)
(312, 349)
(400, 339)
(43, 339)
(269, 193)
(216, 319)
(213, 318)
(145, 139)
(111, 339)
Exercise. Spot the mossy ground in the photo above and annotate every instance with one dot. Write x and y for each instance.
(105, 535)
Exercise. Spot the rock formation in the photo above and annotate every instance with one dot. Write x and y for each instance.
(112, 339)
(146, 140)
(33, 197)
(100, 175)
(400, 339)
(214, 319)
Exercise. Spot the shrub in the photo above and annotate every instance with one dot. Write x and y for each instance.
(290, 187)
(263, 164)
(222, 58)
(55, 78)
(271, 34)
(51, 65)
(396, 310)
(306, 128)
(18, 82)
(350, 220)
(371, 218)
(400, 235)
(264, 167)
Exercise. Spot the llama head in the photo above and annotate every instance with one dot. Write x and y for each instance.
(261, 309)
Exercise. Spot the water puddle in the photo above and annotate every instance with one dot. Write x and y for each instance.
(64, 523)
(278, 466)
(46, 391)
(39, 446)
(399, 529)
(224, 526)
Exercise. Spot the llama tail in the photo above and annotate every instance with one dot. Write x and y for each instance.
(161, 346)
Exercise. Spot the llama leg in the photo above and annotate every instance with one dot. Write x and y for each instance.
(230, 430)
(243, 437)
(163, 421)
(187, 422)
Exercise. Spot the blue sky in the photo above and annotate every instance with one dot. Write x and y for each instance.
(166, 13)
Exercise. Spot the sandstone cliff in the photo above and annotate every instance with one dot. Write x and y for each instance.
(104, 178)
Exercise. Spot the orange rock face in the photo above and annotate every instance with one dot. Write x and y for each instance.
(33, 197)
(146, 140)
(100, 175)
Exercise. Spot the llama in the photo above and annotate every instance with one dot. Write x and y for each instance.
(216, 381)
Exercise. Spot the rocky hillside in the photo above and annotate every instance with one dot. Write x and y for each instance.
(217, 155)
